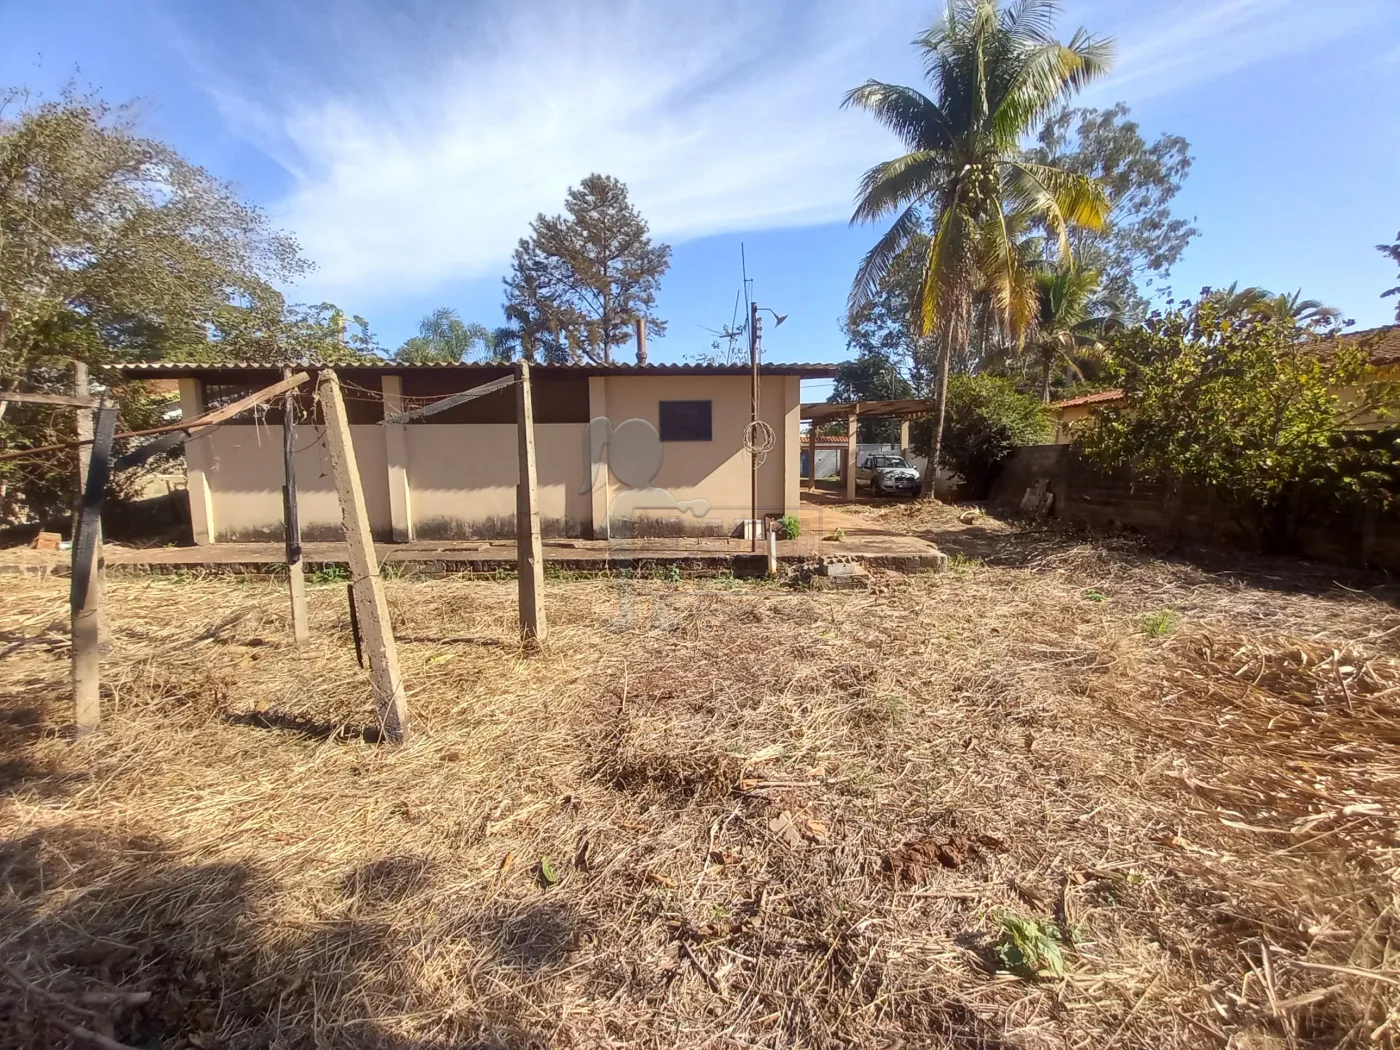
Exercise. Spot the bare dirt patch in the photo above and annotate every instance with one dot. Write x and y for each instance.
(796, 819)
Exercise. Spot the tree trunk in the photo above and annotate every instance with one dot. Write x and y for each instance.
(935, 452)
(1048, 367)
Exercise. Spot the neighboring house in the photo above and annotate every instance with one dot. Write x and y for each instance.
(453, 475)
(1383, 345)
(1071, 410)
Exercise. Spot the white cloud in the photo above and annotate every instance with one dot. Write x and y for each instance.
(420, 144)
(716, 117)
(1169, 46)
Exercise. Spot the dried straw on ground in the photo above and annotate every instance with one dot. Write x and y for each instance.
(778, 818)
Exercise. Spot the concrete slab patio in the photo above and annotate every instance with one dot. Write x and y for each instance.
(859, 542)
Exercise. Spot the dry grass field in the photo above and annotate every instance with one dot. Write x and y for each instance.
(1063, 795)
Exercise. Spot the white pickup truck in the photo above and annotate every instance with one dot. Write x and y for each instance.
(887, 474)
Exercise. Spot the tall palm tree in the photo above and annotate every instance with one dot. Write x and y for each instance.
(1286, 307)
(1072, 317)
(996, 73)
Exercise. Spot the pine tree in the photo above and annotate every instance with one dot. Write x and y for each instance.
(581, 280)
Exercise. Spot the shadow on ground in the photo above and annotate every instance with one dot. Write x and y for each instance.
(94, 917)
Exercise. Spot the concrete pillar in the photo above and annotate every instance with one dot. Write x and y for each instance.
(790, 444)
(904, 438)
(396, 450)
(199, 459)
(851, 430)
(598, 406)
(812, 455)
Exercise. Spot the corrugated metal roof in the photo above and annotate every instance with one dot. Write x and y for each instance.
(178, 368)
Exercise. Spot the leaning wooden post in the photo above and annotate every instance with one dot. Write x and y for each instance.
(82, 421)
(529, 551)
(85, 593)
(296, 573)
(391, 705)
(851, 431)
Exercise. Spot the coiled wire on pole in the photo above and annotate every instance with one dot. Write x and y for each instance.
(759, 439)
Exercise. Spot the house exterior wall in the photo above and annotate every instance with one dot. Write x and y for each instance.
(443, 481)
(716, 470)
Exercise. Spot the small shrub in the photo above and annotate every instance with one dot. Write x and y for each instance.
(1159, 624)
(1027, 947)
(1094, 595)
(987, 418)
(789, 527)
(330, 574)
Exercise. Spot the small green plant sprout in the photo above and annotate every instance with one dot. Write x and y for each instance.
(1029, 947)
(673, 574)
(962, 563)
(838, 535)
(789, 527)
(1093, 594)
(1159, 624)
(548, 875)
(331, 574)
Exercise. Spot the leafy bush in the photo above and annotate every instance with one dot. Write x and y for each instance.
(987, 418)
(789, 527)
(1261, 410)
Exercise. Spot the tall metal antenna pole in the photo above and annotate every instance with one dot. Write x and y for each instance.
(753, 423)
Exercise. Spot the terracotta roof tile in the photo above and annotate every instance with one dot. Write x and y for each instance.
(1098, 398)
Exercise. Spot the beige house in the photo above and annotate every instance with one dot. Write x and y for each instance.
(453, 475)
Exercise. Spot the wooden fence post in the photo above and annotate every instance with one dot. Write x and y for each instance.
(529, 550)
(82, 420)
(391, 705)
(85, 593)
(296, 572)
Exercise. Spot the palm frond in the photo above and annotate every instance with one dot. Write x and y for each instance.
(948, 267)
(909, 113)
(1032, 19)
(1048, 75)
(896, 184)
(877, 261)
(1064, 198)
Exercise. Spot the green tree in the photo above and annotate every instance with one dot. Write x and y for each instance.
(1253, 407)
(1392, 252)
(996, 74)
(113, 246)
(1136, 248)
(872, 375)
(443, 337)
(1072, 316)
(883, 322)
(581, 280)
(988, 418)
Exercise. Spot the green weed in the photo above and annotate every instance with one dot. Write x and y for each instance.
(1028, 947)
(1093, 595)
(330, 574)
(1161, 623)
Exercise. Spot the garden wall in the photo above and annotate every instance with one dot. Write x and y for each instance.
(1087, 495)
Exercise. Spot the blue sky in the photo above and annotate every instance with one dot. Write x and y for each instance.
(408, 144)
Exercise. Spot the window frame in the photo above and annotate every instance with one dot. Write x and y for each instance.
(662, 421)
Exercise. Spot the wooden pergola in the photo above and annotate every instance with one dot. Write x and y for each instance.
(818, 412)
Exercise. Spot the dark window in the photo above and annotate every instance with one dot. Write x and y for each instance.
(685, 421)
